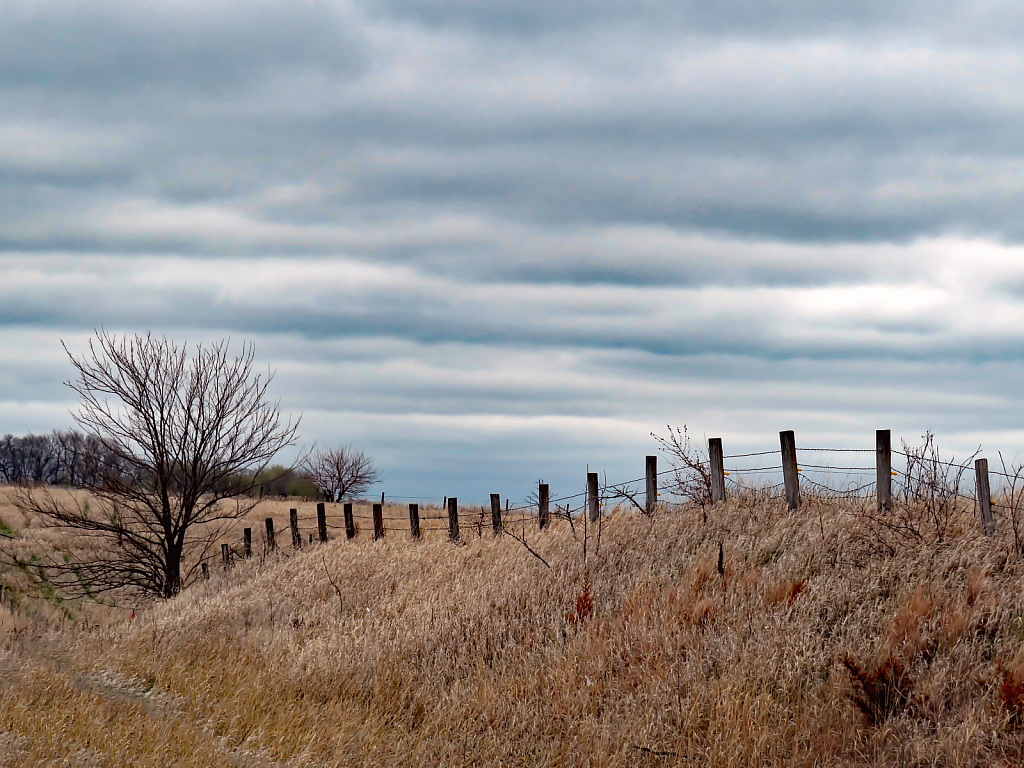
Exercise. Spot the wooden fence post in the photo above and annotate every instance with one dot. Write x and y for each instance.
(543, 495)
(350, 522)
(225, 556)
(984, 494)
(716, 456)
(293, 521)
(247, 542)
(652, 485)
(271, 541)
(790, 473)
(378, 521)
(206, 572)
(883, 469)
(321, 521)
(453, 519)
(496, 524)
(414, 520)
(593, 504)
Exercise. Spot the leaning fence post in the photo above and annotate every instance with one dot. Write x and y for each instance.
(225, 556)
(293, 521)
(414, 520)
(271, 541)
(321, 521)
(378, 521)
(350, 522)
(206, 572)
(247, 542)
(984, 493)
(790, 473)
(496, 524)
(652, 484)
(716, 457)
(543, 495)
(883, 469)
(453, 519)
(592, 493)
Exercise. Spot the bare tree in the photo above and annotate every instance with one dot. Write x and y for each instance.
(340, 473)
(174, 444)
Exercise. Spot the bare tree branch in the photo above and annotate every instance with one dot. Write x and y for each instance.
(691, 468)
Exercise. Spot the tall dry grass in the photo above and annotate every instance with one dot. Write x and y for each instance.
(809, 648)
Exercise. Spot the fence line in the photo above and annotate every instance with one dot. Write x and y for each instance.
(448, 515)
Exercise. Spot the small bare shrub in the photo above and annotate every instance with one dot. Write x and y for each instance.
(691, 467)
(1013, 501)
(926, 501)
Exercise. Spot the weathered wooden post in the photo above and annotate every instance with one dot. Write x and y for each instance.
(321, 521)
(716, 456)
(414, 520)
(984, 493)
(651, 489)
(790, 473)
(247, 542)
(543, 515)
(293, 521)
(206, 571)
(593, 503)
(453, 519)
(225, 556)
(496, 524)
(883, 469)
(271, 541)
(350, 522)
(378, 521)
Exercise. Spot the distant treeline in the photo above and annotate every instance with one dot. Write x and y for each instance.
(77, 460)
(60, 458)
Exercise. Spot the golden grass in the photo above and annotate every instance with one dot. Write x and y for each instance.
(49, 721)
(478, 654)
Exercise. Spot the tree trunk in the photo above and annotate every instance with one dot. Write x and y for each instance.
(172, 573)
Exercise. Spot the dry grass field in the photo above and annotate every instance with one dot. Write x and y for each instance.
(811, 647)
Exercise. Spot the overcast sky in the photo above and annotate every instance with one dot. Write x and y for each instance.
(496, 240)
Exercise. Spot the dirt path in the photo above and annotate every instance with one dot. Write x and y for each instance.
(55, 652)
(36, 670)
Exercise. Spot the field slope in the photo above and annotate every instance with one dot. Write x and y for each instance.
(814, 645)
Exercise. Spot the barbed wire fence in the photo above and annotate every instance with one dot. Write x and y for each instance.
(917, 473)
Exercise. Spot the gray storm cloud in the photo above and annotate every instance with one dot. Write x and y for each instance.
(539, 229)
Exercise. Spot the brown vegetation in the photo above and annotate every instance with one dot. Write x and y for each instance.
(807, 647)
